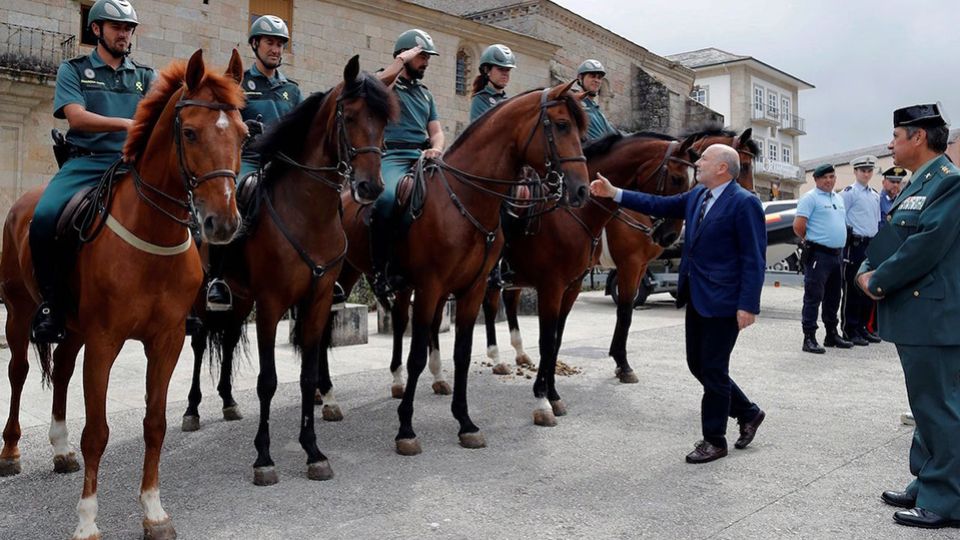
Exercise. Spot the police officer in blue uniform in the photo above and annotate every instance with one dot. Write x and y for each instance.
(863, 215)
(591, 74)
(490, 86)
(892, 178)
(415, 133)
(98, 95)
(821, 223)
(270, 96)
(916, 279)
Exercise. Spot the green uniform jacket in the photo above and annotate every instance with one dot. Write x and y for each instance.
(271, 99)
(484, 100)
(920, 282)
(598, 126)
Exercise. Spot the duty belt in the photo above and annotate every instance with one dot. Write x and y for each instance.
(407, 145)
(820, 247)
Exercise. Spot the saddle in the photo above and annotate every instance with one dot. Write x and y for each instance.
(412, 194)
(75, 215)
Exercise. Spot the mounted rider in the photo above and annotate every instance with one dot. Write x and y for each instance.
(489, 87)
(270, 96)
(98, 95)
(416, 132)
(590, 74)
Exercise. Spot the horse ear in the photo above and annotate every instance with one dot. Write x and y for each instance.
(744, 137)
(580, 95)
(686, 145)
(561, 90)
(195, 70)
(352, 69)
(235, 67)
(693, 155)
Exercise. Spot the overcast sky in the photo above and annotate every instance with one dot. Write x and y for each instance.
(865, 58)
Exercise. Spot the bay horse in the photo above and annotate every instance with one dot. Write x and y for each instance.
(453, 245)
(137, 280)
(293, 246)
(554, 259)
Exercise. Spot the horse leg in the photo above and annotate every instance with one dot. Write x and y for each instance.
(569, 298)
(511, 299)
(17, 328)
(313, 325)
(628, 279)
(423, 313)
(467, 308)
(231, 337)
(324, 395)
(548, 311)
(491, 304)
(401, 316)
(162, 354)
(64, 362)
(191, 418)
(264, 473)
(97, 361)
(440, 385)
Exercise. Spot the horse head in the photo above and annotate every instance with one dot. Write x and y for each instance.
(746, 147)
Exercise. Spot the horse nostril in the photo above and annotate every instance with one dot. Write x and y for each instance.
(209, 223)
(582, 193)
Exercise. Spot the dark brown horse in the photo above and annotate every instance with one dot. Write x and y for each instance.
(138, 279)
(452, 246)
(294, 245)
(554, 259)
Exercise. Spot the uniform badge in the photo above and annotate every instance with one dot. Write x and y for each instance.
(88, 73)
(944, 169)
(251, 85)
(140, 86)
(492, 101)
(913, 203)
(286, 96)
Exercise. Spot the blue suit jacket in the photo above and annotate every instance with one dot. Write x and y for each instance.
(723, 260)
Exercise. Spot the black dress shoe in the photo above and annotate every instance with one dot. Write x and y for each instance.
(925, 519)
(833, 339)
(898, 498)
(870, 336)
(748, 431)
(856, 339)
(705, 453)
(810, 345)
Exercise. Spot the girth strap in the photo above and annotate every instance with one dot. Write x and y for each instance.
(127, 236)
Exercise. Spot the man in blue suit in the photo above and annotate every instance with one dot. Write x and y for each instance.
(721, 275)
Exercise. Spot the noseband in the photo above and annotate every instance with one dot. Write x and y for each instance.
(554, 163)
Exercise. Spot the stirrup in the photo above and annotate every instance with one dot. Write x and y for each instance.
(214, 301)
(51, 332)
(339, 295)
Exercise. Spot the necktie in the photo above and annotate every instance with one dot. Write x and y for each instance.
(703, 206)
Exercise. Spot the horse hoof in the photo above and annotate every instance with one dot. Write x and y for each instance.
(190, 423)
(95, 536)
(265, 476)
(502, 369)
(472, 440)
(320, 470)
(332, 413)
(629, 377)
(232, 413)
(160, 530)
(10, 466)
(559, 409)
(544, 417)
(66, 463)
(442, 388)
(408, 447)
(396, 391)
(524, 360)
(317, 397)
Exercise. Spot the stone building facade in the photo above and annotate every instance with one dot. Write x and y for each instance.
(643, 91)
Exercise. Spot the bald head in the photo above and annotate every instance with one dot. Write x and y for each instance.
(719, 163)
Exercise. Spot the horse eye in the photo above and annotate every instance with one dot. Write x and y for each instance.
(190, 135)
(563, 127)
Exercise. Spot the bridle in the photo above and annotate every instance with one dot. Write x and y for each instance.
(554, 163)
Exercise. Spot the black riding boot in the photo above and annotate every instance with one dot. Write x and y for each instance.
(49, 322)
(495, 281)
(380, 248)
(810, 344)
(219, 296)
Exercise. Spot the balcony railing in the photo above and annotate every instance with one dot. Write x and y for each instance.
(764, 114)
(34, 50)
(779, 169)
(792, 123)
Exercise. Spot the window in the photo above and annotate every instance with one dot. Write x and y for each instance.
(758, 98)
(280, 8)
(773, 150)
(87, 37)
(701, 94)
(760, 146)
(463, 68)
(785, 107)
(787, 152)
(772, 101)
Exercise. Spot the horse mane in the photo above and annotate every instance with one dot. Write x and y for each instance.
(170, 80)
(289, 134)
(717, 130)
(576, 111)
(603, 145)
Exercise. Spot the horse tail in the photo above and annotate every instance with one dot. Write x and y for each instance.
(218, 327)
(45, 353)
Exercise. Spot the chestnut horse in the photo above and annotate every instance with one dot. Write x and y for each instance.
(294, 245)
(566, 244)
(139, 279)
(453, 245)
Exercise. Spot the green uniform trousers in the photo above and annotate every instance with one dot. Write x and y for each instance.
(393, 166)
(933, 387)
(76, 174)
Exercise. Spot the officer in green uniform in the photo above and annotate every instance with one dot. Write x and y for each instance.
(913, 269)
(416, 132)
(270, 96)
(489, 87)
(97, 94)
(591, 74)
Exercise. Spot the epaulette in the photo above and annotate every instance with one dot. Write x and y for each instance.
(293, 82)
(78, 59)
(848, 188)
(874, 190)
(139, 65)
